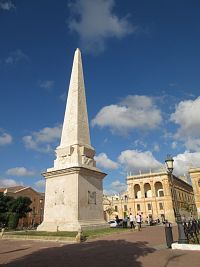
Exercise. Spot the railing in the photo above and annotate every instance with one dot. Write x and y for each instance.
(192, 230)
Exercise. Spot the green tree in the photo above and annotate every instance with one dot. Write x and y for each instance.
(13, 220)
(21, 206)
(4, 202)
(4, 207)
(12, 209)
(109, 211)
(18, 208)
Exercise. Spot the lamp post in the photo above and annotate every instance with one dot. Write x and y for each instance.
(121, 207)
(41, 201)
(182, 239)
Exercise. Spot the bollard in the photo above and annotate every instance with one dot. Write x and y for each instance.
(168, 235)
(80, 237)
(2, 232)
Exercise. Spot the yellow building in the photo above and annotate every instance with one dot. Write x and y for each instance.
(150, 195)
(195, 178)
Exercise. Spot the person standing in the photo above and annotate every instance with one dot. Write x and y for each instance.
(139, 221)
(125, 222)
(117, 219)
(131, 221)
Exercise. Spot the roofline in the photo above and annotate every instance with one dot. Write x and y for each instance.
(22, 189)
(29, 187)
(143, 175)
(193, 170)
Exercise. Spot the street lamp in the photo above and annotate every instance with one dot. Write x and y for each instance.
(182, 239)
(41, 201)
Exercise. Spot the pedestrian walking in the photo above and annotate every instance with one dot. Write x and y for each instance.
(131, 221)
(139, 221)
(125, 222)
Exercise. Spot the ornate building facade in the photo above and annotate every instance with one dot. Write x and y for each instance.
(151, 196)
(195, 178)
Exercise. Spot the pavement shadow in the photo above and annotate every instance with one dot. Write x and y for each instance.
(100, 253)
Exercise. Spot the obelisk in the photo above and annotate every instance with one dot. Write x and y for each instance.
(74, 191)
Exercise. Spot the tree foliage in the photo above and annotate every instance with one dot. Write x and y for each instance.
(110, 210)
(4, 202)
(21, 206)
(12, 209)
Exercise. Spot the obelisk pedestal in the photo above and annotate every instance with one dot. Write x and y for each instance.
(74, 193)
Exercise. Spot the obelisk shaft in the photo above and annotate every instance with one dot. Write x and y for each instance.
(75, 149)
(75, 127)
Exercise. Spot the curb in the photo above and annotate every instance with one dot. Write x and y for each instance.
(185, 246)
(70, 240)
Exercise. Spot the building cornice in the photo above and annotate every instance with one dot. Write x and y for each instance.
(146, 175)
(62, 172)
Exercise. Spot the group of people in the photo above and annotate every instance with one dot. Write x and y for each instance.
(134, 220)
(137, 219)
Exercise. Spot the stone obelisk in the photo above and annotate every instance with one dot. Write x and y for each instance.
(74, 192)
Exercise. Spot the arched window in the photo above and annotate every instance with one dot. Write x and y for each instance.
(147, 190)
(159, 189)
(137, 191)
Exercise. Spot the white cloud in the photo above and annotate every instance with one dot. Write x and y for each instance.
(19, 171)
(192, 144)
(41, 141)
(119, 185)
(156, 147)
(186, 116)
(7, 5)
(136, 161)
(95, 21)
(104, 162)
(15, 57)
(63, 97)
(174, 145)
(30, 143)
(133, 112)
(5, 139)
(116, 187)
(40, 184)
(9, 183)
(138, 143)
(182, 162)
(47, 84)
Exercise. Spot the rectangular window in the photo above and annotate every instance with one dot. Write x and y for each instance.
(116, 208)
(149, 206)
(125, 207)
(161, 206)
(138, 207)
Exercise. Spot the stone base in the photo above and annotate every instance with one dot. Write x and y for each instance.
(72, 226)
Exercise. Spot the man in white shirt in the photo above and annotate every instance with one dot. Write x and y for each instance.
(139, 221)
(132, 220)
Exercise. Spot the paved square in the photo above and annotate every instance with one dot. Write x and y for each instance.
(138, 249)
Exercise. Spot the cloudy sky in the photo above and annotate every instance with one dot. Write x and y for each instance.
(141, 64)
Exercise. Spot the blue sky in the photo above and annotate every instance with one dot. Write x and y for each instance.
(141, 63)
